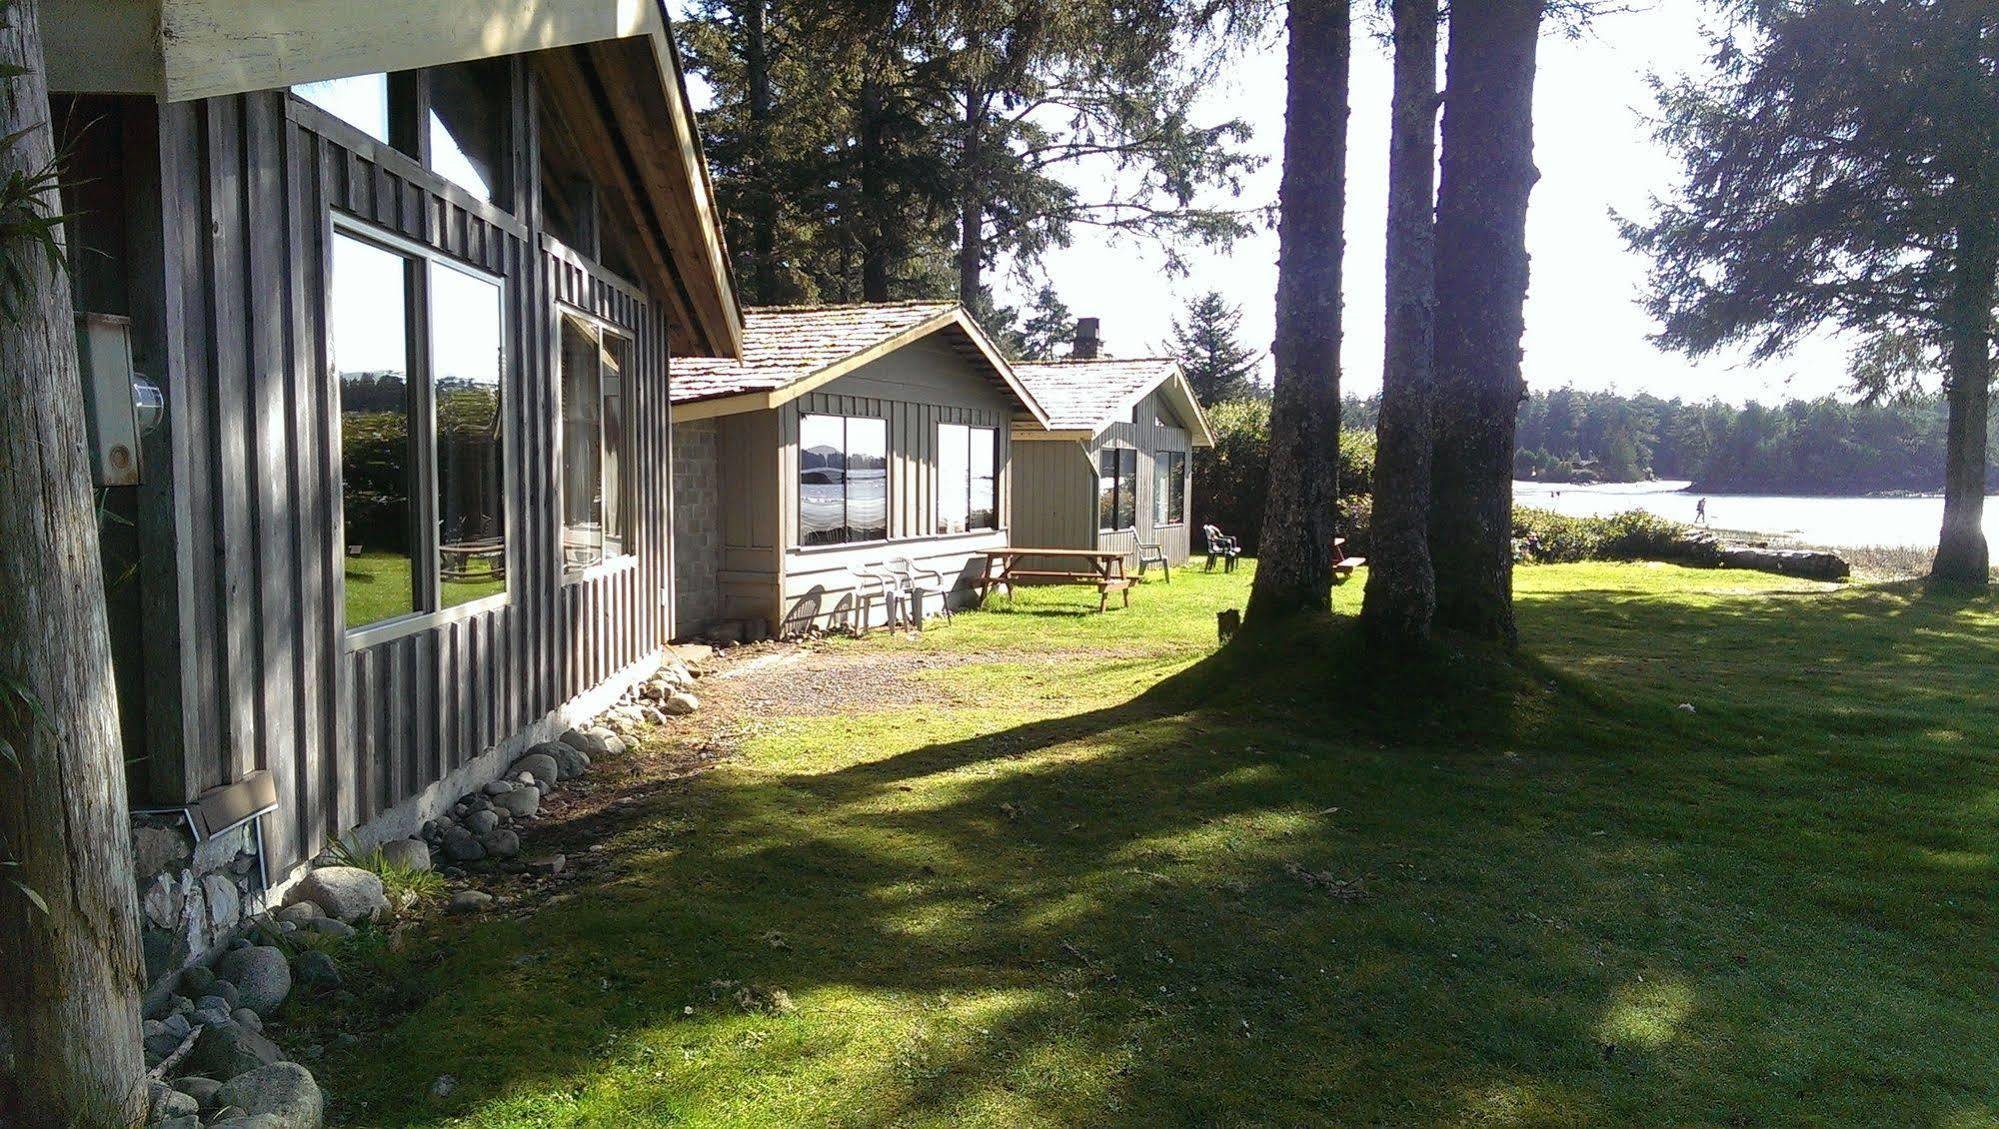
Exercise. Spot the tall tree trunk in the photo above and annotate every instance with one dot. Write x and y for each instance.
(1401, 586)
(763, 220)
(73, 972)
(1294, 566)
(971, 207)
(1487, 174)
(1962, 556)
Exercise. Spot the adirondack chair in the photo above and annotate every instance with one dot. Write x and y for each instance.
(1151, 555)
(1221, 547)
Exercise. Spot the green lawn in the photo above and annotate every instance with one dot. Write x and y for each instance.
(1144, 885)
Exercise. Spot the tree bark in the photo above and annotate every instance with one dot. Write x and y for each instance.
(1401, 586)
(763, 220)
(73, 972)
(1487, 175)
(1963, 557)
(1295, 566)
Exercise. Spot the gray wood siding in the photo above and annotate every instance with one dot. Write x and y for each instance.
(1054, 496)
(1057, 503)
(248, 187)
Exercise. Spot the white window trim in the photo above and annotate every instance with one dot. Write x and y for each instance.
(627, 555)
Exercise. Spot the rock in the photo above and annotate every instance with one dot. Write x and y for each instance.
(229, 993)
(585, 742)
(471, 901)
(501, 843)
(260, 974)
(212, 1016)
(338, 930)
(498, 787)
(202, 1090)
(196, 980)
(444, 1085)
(614, 743)
(1806, 563)
(547, 864)
(179, 1024)
(247, 1018)
(461, 846)
(224, 904)
(680, 703)
(160, 1042)
(159, 848)
(571, 763)
(539, 764)
(214, 1004)
(184, 1121)
(284, 1091)
(299, 913)
(480, 822)
(410, 854)
(346, 893)
(317, 970)
(169, 1102)
(522, 801)
(162, 902)
(228, 1050)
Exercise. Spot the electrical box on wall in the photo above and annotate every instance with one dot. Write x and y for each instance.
(118, 405)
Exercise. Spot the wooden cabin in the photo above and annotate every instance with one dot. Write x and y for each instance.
(407, 278)
(847, 439)
(1113, 470)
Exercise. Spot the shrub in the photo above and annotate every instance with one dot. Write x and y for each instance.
(1230, 477)
(1551, 538)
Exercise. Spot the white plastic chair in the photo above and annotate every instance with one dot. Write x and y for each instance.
(910, 578)
(883, 582)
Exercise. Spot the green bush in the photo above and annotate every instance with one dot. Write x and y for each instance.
(1546, 537)
(1230, 477)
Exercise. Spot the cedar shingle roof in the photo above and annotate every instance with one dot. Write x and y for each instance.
(1091, 395)
(785, 344)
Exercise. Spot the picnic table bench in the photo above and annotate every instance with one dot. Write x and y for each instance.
(1344, 565)
(459, 556)
(1099, 568)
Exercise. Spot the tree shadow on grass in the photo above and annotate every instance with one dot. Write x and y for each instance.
(1290, 885)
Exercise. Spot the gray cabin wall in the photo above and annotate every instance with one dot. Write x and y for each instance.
(1139, 431)
(270, 678)
(915, 389)
(1054, 498)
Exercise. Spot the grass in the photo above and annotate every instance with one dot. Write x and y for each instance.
(1145, 884)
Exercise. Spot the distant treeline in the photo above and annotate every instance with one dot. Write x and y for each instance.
(1822, 446)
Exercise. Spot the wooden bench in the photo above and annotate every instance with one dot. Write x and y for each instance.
(1344, 565)
(1101, 569)
(1121, 585)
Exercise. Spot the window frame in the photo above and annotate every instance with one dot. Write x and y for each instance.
(1162, 510)
(627, 555)
(425, 537)
(797, 534)
(1118, 479)
(408, 113)
(971, 437)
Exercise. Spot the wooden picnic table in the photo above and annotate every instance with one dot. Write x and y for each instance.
(1100, 568)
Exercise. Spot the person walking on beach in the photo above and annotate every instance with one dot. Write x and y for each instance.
(1700, 512)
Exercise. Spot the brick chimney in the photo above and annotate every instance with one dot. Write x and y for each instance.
(1087, 341)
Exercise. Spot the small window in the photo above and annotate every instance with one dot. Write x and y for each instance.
(388, 479)
(1169, 487)
(468, 126)
(361, 101)
(842, 479)
(1117, 488)
(595, 366)
(967, 478)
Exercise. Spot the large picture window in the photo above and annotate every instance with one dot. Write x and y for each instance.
(454, 119)
(1169, 487)
(1117, 488)
(423, 498)
(596, 363)
(842, 479)
(967, 478)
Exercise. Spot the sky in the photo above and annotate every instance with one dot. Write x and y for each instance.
(1585, 325)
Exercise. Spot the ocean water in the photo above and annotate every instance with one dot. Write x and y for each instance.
(1831, 521)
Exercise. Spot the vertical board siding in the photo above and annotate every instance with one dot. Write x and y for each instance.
(248, 187)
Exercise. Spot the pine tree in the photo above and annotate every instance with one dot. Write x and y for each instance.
(1842, 168)
(1207, 339)
(1295, 567)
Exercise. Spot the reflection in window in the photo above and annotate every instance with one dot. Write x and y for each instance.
(361, 101)
(1169, 487)
(468, 126)
(471, 498)
(967, 481)
(595, 364)
(1117, 485)
(842, 479)
(370, 346)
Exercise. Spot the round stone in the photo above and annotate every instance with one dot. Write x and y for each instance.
(346, 893)
(261, 976)
(410, 854)
(523, 801)
(461, 846)
(471, 901)
(481, 822)
(501, 843)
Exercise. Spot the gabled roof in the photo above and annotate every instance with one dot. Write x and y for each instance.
(791, 350)
(1085, 397)
(181, 50)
